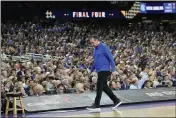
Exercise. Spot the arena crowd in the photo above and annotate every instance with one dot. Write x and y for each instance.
(144, 55)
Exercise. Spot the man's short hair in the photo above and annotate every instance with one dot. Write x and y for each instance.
(60, 85)
(95, 37)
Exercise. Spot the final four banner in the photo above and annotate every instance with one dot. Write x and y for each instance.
(84, 14)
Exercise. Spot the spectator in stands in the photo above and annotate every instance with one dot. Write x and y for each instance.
(3, 96)
(112, 85)
(134, 57)
(167, 81)
(144, 77)
(60, 89)
(86, 87)
(147, 85)
(115, 85)
(125, 84)
(36, 89)
(134, 83)
(79, 88)
(27, 87)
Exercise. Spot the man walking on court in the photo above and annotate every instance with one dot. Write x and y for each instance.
(103, 64)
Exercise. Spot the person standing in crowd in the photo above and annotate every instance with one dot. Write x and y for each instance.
(103, 64)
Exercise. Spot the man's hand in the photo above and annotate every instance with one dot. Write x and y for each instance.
(113, 74)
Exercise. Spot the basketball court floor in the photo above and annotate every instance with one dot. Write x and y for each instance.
(155, 109)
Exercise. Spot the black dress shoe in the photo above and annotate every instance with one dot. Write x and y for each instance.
(93, 108)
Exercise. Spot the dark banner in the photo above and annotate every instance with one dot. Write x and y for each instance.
(84, 14)
(66, 101)
(158, 8)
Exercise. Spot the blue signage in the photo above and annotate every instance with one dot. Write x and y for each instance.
(157, 7)
(143, 7)
(169, 8)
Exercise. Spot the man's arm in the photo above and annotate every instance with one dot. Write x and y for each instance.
(110, 57)
(93, 67)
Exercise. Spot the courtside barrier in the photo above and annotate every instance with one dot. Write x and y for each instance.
(71, 101)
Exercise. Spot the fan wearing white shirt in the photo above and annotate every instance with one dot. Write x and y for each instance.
(134, 84)
(144, 76)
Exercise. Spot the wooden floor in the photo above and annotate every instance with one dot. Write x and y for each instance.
(160, 109)
(164, 111)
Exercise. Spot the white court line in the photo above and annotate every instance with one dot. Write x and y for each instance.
(124, 98)
(63, 111)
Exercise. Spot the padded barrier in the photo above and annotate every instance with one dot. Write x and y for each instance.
(72, 101)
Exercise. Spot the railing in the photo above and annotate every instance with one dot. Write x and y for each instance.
(135, 9)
